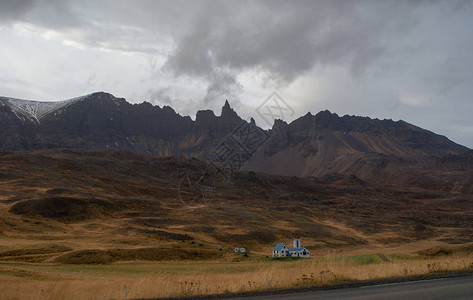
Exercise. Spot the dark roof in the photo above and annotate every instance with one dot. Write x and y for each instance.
(297, 248)
(279, 247)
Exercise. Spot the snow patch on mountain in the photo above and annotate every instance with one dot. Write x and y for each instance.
(36, 110)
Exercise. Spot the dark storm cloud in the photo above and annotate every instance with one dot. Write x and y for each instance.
(285, 40)
(281, 38)
(55, 14)
(11, 10)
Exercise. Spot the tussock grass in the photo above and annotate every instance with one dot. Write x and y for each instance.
(33, 251)
(178, 280)
(151, 254)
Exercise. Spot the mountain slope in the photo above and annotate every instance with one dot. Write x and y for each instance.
(101, 121)
(123, 200)
(35, 110)
(313, 145)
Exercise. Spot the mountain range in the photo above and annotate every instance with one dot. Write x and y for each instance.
(379, 151)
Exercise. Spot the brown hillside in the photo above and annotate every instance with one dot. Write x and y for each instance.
(109, 200)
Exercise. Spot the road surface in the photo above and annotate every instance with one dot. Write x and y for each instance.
(443, 288)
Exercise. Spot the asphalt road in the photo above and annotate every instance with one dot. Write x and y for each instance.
(443, 288)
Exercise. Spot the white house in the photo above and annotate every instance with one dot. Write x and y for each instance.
(280, 250)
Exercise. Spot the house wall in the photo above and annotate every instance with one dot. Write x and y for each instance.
(300, 253)
(281, 253)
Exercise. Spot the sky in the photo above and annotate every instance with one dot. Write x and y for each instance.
(409, 60)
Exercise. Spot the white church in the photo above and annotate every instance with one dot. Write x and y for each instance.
(280, 250)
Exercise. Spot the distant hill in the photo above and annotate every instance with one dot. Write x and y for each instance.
(378, 151)
(313, 145)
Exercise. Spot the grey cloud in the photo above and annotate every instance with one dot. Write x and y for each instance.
(166, 96)
(192, 56)
(222, 85)
(11, 10)
(286, 40)
(160, 96)
(449, 75)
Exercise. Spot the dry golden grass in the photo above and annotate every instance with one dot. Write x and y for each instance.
(175, 280)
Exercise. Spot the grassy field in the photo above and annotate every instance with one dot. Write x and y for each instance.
(153, 279)
(110, 225)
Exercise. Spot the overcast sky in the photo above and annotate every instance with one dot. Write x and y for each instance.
(410, 60)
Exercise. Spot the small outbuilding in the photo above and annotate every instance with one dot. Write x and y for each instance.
(298, 252)
(239, 250)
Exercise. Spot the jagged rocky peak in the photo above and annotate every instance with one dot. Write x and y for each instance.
(228, 117)
(227, 110)
(328, 120)
(205, 114)
(169, 109)
(325, 115)
(205, 118)
(279, 124)
(105, 97)
(226, 105)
